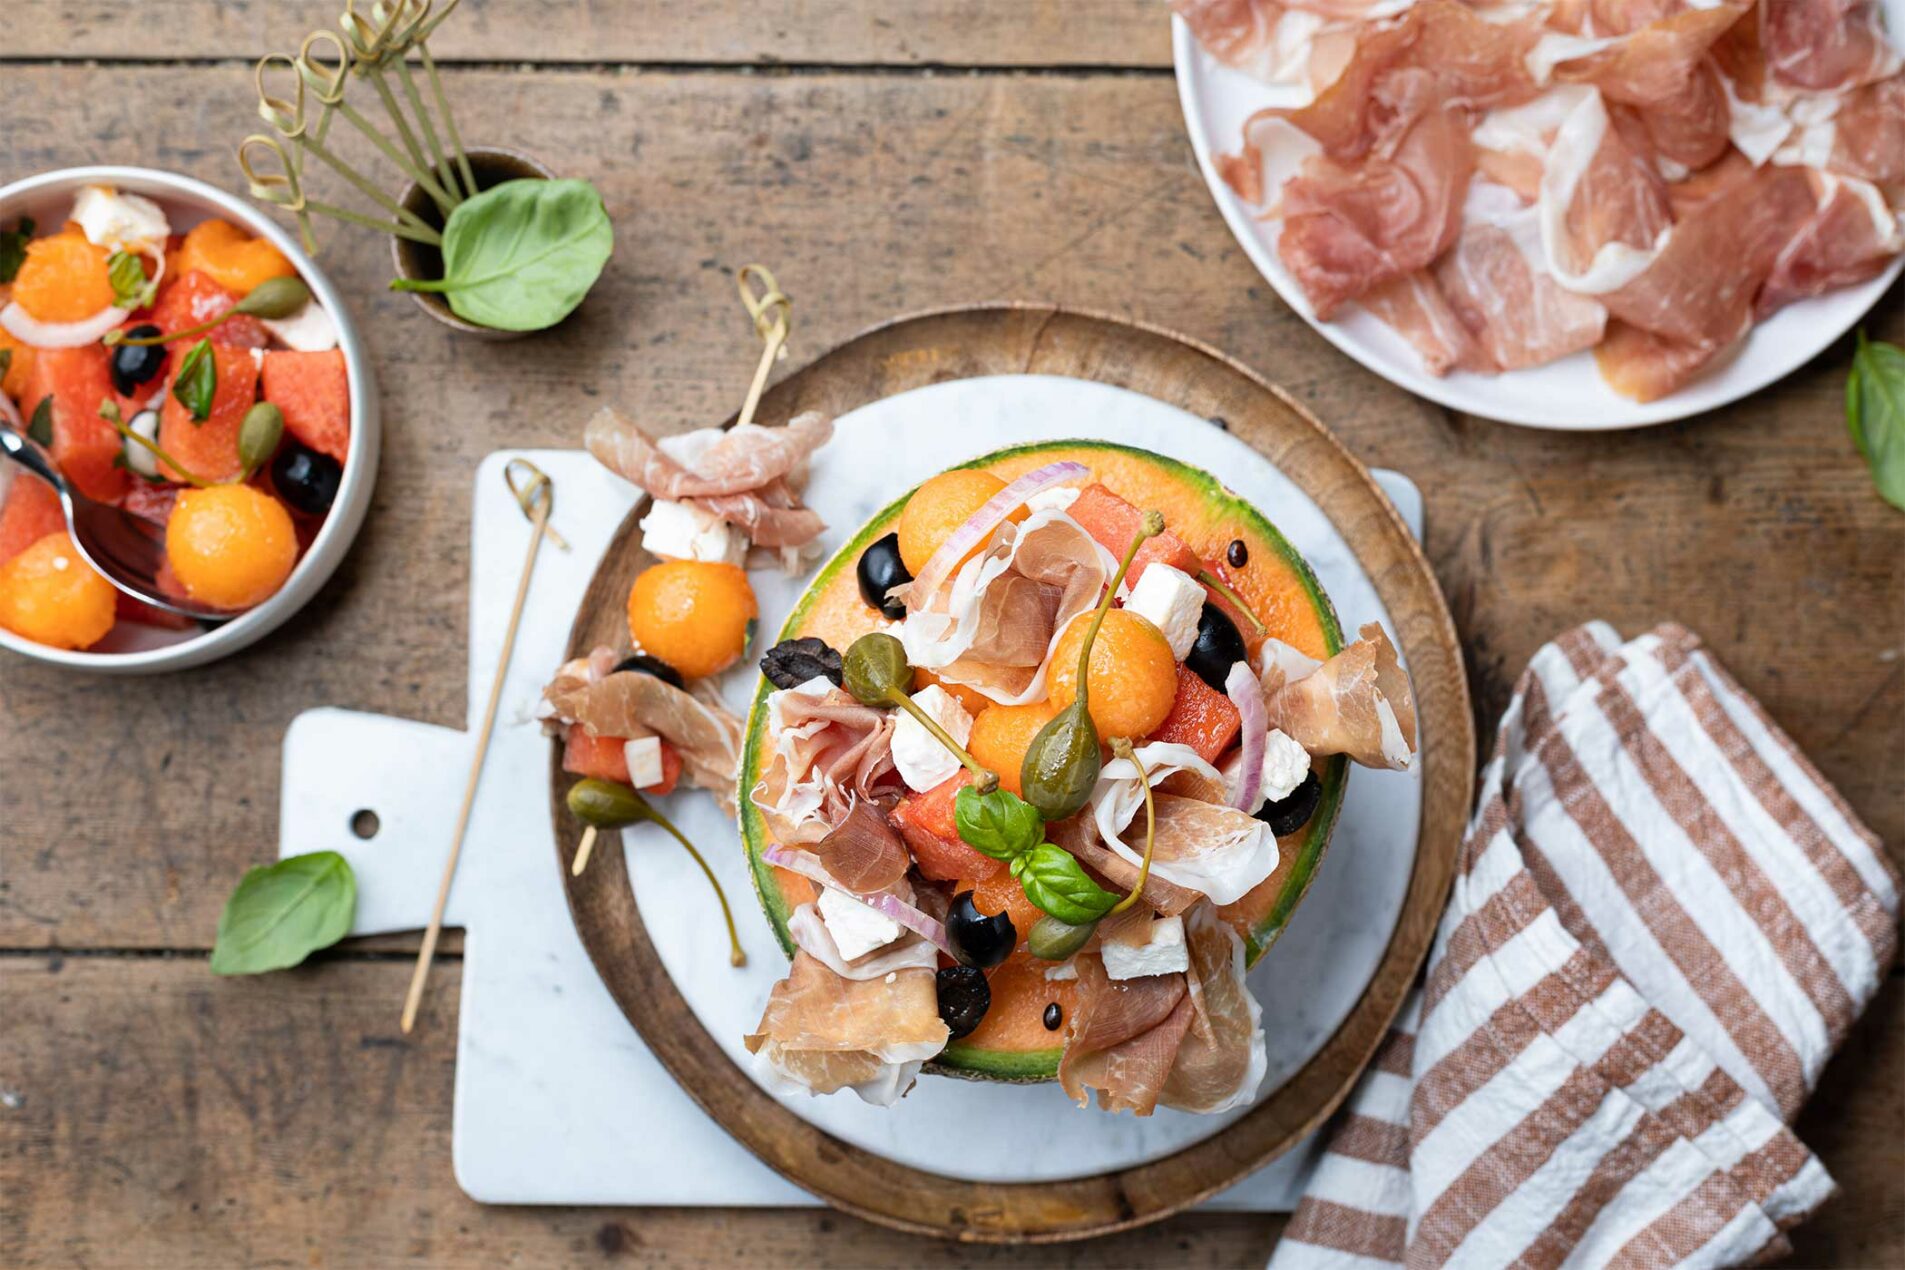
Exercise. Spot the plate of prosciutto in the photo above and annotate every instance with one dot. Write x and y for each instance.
(1574, 214)
(1124, 794)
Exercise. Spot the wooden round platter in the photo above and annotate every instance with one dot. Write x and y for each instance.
(1041, 339)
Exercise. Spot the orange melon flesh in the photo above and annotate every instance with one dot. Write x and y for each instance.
(1012, 1043)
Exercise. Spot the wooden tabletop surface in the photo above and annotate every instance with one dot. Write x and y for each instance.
(882, 159)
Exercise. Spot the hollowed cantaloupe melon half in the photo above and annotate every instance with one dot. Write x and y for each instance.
(1013, 1043)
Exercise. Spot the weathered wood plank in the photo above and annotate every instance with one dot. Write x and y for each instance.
(154, 1116)
(1120, 33)
(159, 1118)
(131, 807)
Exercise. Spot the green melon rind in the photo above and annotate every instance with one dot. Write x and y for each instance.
(1030, 1066)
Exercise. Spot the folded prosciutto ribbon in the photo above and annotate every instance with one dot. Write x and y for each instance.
(1509, 183)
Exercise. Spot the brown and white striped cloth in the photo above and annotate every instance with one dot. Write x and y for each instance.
(1663, 924)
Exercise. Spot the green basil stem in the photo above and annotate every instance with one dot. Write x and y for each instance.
(735, 956)
(1153, 526)
(984, 779)
(1223, 588)
(1121, 746)
(110, 413)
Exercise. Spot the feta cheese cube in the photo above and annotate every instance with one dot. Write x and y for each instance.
(1165, 952)
(857, 928)
(118, 221)
(679, 531)
(1285, 764)
(643, 756)
(1062, 972)
(309, 330)
(920, 759)
(1173, 601)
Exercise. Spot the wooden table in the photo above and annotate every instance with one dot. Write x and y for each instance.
(882, 158)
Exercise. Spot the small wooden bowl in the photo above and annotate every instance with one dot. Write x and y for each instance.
(491, 165)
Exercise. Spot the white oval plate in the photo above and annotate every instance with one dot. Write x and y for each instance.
(1569, 394)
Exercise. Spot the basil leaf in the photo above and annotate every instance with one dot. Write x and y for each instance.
(1875, 414)
(1057, 884)
(282, 913)
(196, 384)
(131, 289)
(1000, 824)
(41, 428)
(521, 255)
(13, 248)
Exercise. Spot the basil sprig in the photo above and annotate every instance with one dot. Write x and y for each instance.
(40, 428)
(196, 384)
(131, 289)
(13, 248)
(1006, 827)
(1875, 414)
(521, 255)
(282, 913)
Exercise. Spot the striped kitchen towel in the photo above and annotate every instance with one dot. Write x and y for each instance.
(1663, 924)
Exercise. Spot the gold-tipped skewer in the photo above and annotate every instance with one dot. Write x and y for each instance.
(537, 499)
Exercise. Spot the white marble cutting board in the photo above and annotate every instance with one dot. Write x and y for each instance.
(557, 1099)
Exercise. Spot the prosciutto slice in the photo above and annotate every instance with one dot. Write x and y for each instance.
(812, 937)
(1358, 703)
(630, 704)
(1201, 846)
(743, 475)
(1852, 236)
(827, 751)
(1415, 308)
(993, 627)
(1825, 45)
(1222, 1058)
(1514, 311)
(1604, 210)
(1124, 1037)
(1868, 136)
(823, 1032)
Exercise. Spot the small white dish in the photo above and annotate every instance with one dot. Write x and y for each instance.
(1567, 395)
(138, 650)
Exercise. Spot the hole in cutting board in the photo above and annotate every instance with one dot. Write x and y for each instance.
(364, 823)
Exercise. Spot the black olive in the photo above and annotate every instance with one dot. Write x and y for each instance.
(1289, 814)
(1217, 648)
(305, 479)
(1053, 1017)
(643, 664)
(135, 364)
(964, 998)
(792, 662)
(981, 940)
(879, 571)
(1237, 555)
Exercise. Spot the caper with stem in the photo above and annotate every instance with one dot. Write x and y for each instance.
(876, 672)
(1061, 765)
(601, 804)
(1053, 940)
(273, 298)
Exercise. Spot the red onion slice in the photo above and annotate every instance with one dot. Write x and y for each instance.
(809, 866)
(28, 329)
(1241, 686)
(941, 564)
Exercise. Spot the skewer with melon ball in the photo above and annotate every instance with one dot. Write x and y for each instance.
(690, 619)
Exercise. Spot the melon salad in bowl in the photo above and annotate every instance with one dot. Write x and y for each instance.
(1042, 761)
(186, 375)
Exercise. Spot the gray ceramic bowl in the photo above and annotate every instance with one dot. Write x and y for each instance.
(48, 198)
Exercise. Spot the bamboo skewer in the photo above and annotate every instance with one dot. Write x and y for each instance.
(537, 500)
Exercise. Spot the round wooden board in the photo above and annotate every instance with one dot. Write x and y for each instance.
(1039, 339)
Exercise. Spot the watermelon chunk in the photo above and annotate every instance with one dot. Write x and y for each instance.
(1201, 717)
(1114, 523)
(602, 757)
(84, 445)
(31, 512)
(314, 392)
(210, 448)
(926, 822)
(193, 300)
